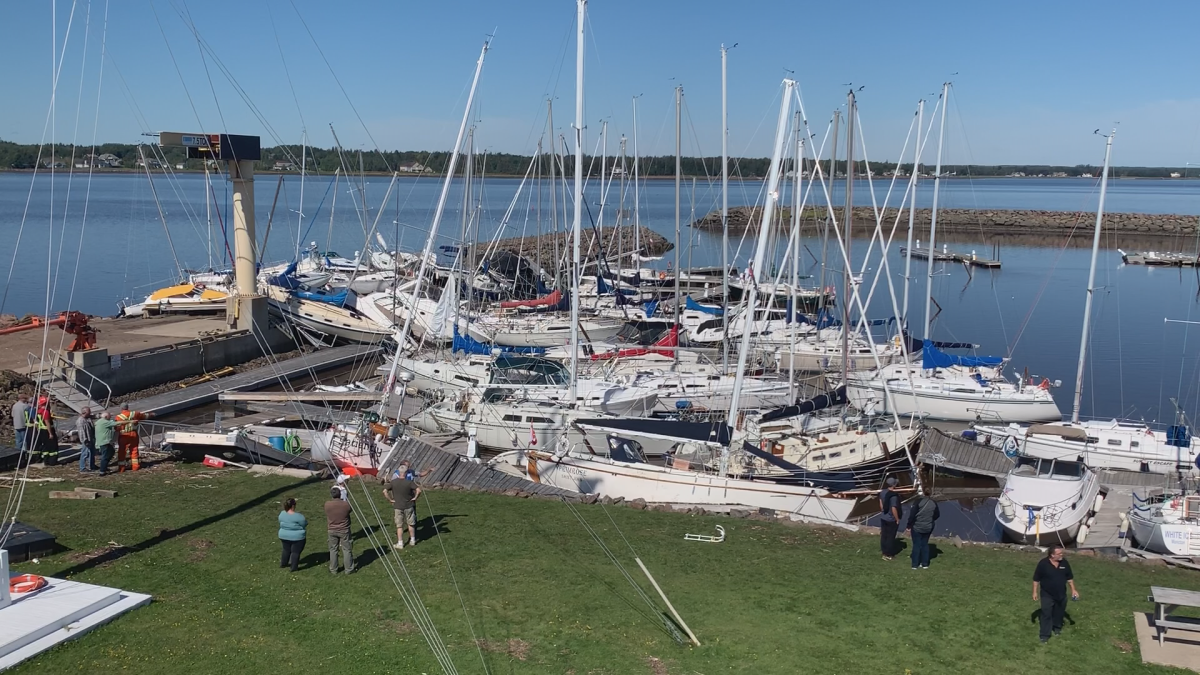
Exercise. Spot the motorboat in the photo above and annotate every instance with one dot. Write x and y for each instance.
(1049, 501)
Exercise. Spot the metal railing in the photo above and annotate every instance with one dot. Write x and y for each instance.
(58, 357)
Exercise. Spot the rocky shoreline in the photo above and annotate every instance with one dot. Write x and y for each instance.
(986, 221)
(652, 243)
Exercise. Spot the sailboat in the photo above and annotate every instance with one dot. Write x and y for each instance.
(1167, 523)
(945, 386)
(1101, 444)
(622, 471)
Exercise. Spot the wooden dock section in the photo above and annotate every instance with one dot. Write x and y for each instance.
(955, 453)
(449, 468)
(952, 256)
(208, 392)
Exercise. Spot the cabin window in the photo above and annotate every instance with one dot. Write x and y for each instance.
(834, 454)
(819, 458)
(1067, 469)
(1134, 444)
(539, 420)
(1114, 441)
(512, 418)
(1093, 439)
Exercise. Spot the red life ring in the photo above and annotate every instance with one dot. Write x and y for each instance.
(25, 583)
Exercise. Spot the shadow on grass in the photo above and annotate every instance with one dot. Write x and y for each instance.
(1037, 613)
(169, 534)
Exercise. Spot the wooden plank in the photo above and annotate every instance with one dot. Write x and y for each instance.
(98, 493)
(71, 494)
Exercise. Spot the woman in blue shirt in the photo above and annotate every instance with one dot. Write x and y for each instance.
(292, 532)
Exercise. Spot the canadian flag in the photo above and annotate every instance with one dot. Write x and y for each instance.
(532, 435)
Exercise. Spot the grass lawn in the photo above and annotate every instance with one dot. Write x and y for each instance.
(543, 598)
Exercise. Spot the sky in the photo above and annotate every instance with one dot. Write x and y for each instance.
(1031, 80)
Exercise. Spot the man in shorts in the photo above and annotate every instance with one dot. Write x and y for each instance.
(402, 492)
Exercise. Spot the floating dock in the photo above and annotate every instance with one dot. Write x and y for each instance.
(945, 255)
(1157, 259)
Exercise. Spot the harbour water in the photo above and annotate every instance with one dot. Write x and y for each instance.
(1030, 309)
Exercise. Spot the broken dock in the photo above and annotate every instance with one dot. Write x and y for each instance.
(946, 255)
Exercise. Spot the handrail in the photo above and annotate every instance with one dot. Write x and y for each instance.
(59, 357)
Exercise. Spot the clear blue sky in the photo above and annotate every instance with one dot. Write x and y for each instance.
(1033, 78)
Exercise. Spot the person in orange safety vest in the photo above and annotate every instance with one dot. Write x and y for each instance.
(127, 438)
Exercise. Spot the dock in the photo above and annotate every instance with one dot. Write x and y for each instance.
(955, 453)
(449, 468)
(1160, 259)
(945, 255)
(209, 392)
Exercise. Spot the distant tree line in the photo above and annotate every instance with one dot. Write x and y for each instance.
(328, 160)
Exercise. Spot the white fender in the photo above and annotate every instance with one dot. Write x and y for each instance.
(1007, 512)
(1123, 531)
(1083, 533)
(1090, 522)
(1099, 502)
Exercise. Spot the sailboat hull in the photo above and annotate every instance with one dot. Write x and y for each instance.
(677, 486)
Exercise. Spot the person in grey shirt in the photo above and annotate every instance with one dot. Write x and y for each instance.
(20, 419)
(87, 440)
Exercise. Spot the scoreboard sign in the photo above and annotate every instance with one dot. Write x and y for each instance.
(213, 146)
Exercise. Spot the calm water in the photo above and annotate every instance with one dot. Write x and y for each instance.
(1031, 309)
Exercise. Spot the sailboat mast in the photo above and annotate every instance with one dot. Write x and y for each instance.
(678, 177)
(724, 211)
(837, 116)
(937, 183)
(1091, 287)
(303, 173)
(402, 338)
(847, 220)
(637, 200)
(912, 212)
(580, 12)
(760, 253)
(796, 184)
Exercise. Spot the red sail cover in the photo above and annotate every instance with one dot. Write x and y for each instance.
(671, 339)
(551, 299)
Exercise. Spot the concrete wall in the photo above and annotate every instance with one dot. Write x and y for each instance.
(139, 370)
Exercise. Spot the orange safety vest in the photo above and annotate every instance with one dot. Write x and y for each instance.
(129, 418)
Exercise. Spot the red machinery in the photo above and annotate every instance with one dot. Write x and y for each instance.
(73, 323)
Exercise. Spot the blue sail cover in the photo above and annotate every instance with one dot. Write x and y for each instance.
(695, 306)
(650, 307)
(286, 279)
(341, 299)
(469, 345)
(826, 320)
(932, 357)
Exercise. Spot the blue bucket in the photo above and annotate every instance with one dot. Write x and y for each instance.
(278, 442)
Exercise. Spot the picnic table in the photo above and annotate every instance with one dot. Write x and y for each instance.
(1166, 601)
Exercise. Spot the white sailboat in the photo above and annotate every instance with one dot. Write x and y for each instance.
(944, 386)
(622, 471)
(1167, 523)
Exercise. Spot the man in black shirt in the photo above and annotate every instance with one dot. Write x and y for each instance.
(1053, 574)
(889, 524)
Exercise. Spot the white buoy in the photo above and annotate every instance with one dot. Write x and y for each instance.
(1099, 502)
(1006, 509)
(1124, 529)
(1083, 533)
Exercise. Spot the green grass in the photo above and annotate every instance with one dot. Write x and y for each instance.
(770, 599)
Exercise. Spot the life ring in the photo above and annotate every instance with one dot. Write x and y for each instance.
(25, 583)
(1011, 447)
(662, 276)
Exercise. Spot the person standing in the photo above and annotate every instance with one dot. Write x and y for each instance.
(920, 526)
(106, 434)
(127, 441)
(1053, 576)
(337, 518)
(20, 419)
(889, 524)
(44, 445)
(402, 492)
(293, 531)
(85, 428)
